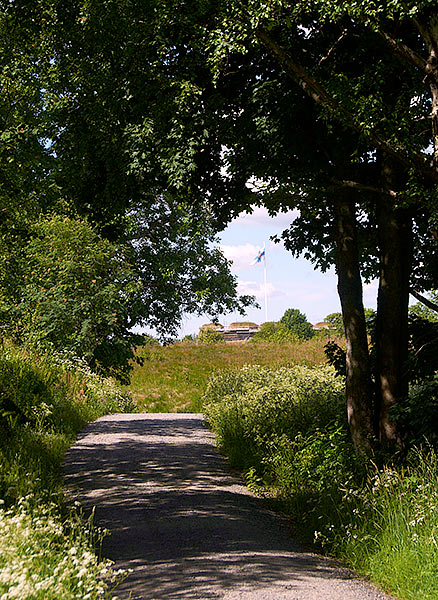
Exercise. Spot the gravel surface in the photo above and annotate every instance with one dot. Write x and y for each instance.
(184, 524)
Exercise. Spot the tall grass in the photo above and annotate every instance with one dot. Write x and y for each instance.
(173, 378)
(287, 431)
(45, 551)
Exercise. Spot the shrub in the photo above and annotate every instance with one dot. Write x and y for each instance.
(148, 340)
(276, 333)
(210, 336)
(336, 323)
(297, 323)
(45, 401)
(287, 428)
(188, 339)
(423, 349)
(251, 407)
(387, 527)
(417, 415)
(76, 291)
(43, 558)
(312, 463)
(25, 392)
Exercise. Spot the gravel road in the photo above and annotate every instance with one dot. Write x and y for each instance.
(184, 524)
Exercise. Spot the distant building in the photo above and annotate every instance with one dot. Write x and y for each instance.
(236, 332)
(240, 332)
(214, 326)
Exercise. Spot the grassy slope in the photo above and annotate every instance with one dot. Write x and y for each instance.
(46, 553)
(173, 378)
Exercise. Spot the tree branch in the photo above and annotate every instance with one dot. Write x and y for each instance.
(403, 51)
(362, 187)
(424, 300)
(318, 93)
(430, 40)
(340, 38)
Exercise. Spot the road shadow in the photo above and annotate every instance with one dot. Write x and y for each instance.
(178, 518)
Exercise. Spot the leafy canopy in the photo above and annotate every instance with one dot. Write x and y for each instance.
(296, 322)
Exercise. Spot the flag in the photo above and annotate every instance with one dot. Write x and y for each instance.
(259, 257)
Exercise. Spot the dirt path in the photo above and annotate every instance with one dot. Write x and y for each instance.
(186, 527)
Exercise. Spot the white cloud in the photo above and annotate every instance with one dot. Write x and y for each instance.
(242, 256)
(253, 288)
(260, 218)
(370, 294)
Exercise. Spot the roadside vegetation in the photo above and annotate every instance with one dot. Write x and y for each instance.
(47, 552)
(174, 378)
(114, 184)
(285, 428)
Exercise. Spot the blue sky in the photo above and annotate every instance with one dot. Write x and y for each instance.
(291, 282)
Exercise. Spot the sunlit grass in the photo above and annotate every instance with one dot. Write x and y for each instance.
(173, 378)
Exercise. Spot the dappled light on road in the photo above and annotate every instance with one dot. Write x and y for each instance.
(184, 523)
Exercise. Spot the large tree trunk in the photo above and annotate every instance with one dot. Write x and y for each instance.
(395, 247)
(358, 385)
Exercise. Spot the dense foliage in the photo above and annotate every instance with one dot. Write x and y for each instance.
(426, 312)
(91, 244)
(252, 408)
(75, 291)
(326, 107)
(292, 327)
(286, 430)
(44, 401)
(297, 323)
(47, 551)
(210, 336)
(274, 332)
(43, 557)
(159, 134)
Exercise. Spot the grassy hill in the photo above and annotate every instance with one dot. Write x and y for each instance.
(173, 378)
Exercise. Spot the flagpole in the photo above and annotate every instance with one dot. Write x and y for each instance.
(266, 287)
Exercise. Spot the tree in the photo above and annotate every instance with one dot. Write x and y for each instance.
(277, 333)
(77, 294)
(210, 336)
(70, 148)
(428, 311)
(336, 323)
(297, 323)
(372, 102)
(203, 108)
(78, 291)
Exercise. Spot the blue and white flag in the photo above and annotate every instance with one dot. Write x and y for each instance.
(259, 257)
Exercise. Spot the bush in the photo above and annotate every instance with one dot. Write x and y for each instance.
(25, 392)
(44, 558)
(76, 291)
(45, 401)
(312, 463)
(276, 333)
(297, 323)
(251, 408)
(417, 415)
(336, 323)
(287, 428)
(387, 527)
(210, 336)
